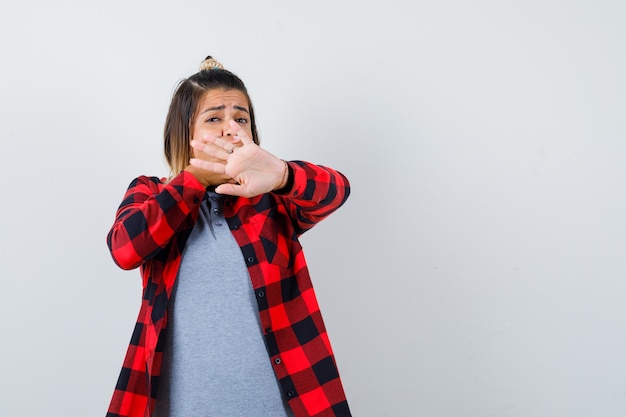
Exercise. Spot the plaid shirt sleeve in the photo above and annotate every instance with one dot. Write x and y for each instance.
(151, 214)
(149, 231)
(314, 192)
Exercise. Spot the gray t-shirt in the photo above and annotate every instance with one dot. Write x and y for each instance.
(215, 362)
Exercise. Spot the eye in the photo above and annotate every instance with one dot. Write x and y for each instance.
(213, 119)
(242, 120)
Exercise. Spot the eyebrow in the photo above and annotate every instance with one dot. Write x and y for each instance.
(222, 107)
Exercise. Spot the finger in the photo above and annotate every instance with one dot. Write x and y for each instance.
(224, 143)
(235, 126)
(240, 134)
(204, 141)
(231, 189)
(210, 149)
(207, 138)
(227, 146)
(215, 167)
(243, 138)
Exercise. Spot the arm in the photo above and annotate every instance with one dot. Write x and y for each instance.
(312, 193)
(150, 215)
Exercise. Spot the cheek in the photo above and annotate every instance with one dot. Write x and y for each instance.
(196, 132)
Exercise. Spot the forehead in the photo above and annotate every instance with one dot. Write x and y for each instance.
(218, 96)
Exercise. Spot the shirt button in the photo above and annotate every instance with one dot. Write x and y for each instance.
(218, 223)
(236, 227)
(216, 211)
(196, 200)
(268, 330)
(250, 259)
(290, 394)
(277, 361)
(295, 193)
(260, 294)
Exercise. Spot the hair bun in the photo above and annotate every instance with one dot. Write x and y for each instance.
(210, 63)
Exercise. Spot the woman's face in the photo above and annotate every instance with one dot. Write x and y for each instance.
(216, 109)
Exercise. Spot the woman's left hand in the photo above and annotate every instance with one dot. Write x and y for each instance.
(255, 170)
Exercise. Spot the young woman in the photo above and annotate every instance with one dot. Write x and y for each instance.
(229, 324)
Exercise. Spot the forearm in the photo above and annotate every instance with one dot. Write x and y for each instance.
(150, 215)
(313, 192)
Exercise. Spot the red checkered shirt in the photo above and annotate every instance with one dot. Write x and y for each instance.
(151, 227)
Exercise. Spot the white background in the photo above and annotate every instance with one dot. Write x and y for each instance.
(477, 268)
